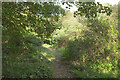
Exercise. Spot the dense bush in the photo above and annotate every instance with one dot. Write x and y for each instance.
(96, 48)
(21, 49)
(62, 36)
(28, 61)
(93, 47)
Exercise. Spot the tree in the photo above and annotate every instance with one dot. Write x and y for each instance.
(38, 17)
(19, 18)
(89, 9)
(41, 18)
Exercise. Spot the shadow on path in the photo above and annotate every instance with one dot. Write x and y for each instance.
(60, 69)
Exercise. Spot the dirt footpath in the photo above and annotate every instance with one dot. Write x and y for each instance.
(60, 69)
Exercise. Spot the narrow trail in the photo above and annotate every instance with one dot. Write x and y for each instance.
(60, 68)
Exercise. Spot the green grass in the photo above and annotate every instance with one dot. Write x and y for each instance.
(34, 62)
(46, 45)
(87, 72)
(92, 70)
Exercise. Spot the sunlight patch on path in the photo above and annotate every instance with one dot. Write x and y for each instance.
(60, 68)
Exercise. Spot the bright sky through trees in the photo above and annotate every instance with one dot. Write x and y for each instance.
(112, 2)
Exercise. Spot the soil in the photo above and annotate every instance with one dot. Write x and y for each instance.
(61, 70)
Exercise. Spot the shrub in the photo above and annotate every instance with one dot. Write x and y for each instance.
(98, 46)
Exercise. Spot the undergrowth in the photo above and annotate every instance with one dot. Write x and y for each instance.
(34, 61)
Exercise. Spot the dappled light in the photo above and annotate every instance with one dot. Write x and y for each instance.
(43, 40)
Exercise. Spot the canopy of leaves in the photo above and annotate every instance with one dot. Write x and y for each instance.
(38, 17)
(89, 9)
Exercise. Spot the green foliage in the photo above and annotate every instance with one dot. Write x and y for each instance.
(33, 62)
(93, 49)
(31, 38)
(40, 18)
(96, 48)
(89, 9)
(70, 29)
(25, 26)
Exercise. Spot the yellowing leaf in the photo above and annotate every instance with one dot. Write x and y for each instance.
(108, 58)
